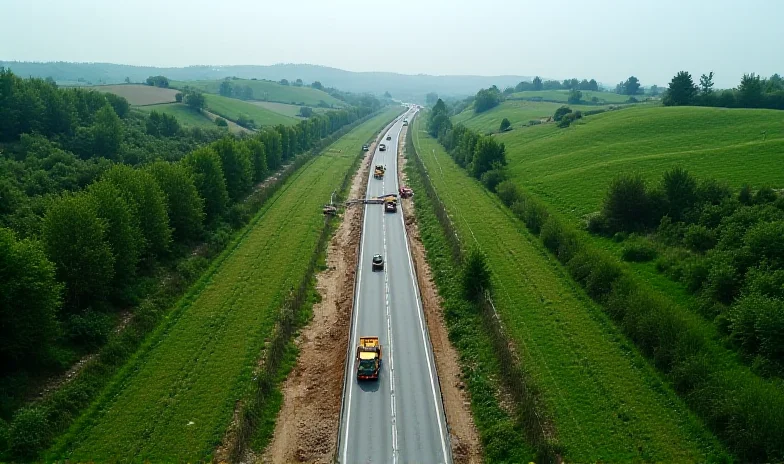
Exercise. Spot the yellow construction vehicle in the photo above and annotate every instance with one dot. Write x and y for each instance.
(378, 172)
(368, 358)
(390, 204)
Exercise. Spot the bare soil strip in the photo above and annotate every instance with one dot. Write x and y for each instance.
(307, 426)
(466, 446)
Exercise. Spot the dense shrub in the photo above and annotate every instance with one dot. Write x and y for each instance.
(561, 112)
(30, 430)
(508, 192)
(476, 276)
(535, 214)
(492, 178)
(627, 206)
(639, 250)
(699, 238)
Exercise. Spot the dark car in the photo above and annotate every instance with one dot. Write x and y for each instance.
(389, 137)
(365, 147)
(378, 262)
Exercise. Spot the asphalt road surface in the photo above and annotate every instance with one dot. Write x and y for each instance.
(400, 417)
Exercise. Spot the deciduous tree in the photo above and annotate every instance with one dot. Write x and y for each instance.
(208, 178)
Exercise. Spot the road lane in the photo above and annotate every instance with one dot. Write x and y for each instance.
(400, 417)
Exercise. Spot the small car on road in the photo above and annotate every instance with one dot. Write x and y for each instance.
(378, 263)
(365, 147)
(389, 137)
(382, 147)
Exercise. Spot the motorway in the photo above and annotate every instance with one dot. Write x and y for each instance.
(400, 417)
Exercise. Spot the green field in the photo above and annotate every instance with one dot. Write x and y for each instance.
(563, 95)
(184, 115)
(268, 91)
(285, 109)
(519, 112)
(174, 399)
(571, 168)
(231, 108)
(139, 94)
(607, 403)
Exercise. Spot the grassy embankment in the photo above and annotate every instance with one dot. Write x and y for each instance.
(174, 399)
(605, 401)
(268, 91)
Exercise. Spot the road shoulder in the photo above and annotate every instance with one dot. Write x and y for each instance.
(464, 437)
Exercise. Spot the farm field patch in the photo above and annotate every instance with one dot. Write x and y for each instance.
(232, 108)
(139, 94)
(268, 91)
(284, 108)
(182, 112)
(174, 399)
(607, 403)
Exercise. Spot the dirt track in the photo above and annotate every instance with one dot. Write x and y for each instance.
(307, 426)
(466, 447)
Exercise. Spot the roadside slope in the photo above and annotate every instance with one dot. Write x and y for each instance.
(607, 403)
(173, 400)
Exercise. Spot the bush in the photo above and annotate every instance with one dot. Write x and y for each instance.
(476, 275)
(640, 250)
(534, 216)
(90, 329)
(627, 206)
(220, 122)
(765, 195)
(508, 192)
(757, 325)
(29, 433)
(699, 238)
(492, 178)
(561, 112)
(596, 272)
(559, 239)
(722, 282)
(505, 125)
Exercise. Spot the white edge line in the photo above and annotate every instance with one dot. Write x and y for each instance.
(423, 331)
(355, 312)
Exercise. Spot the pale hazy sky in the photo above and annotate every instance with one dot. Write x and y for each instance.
(603, 39)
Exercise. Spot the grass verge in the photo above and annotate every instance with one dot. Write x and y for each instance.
(607, 402)
(172, 400)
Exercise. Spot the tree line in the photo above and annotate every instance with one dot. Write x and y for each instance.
(753, 91)
(85, 231)
(537, 84)
(725, 246)
(480, 155)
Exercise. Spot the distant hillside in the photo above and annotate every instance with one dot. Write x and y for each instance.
(268, 91)
(402, 86)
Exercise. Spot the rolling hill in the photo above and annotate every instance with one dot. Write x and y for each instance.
(519, 112)
(268, 91)
(571, 168)
(404, 86)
